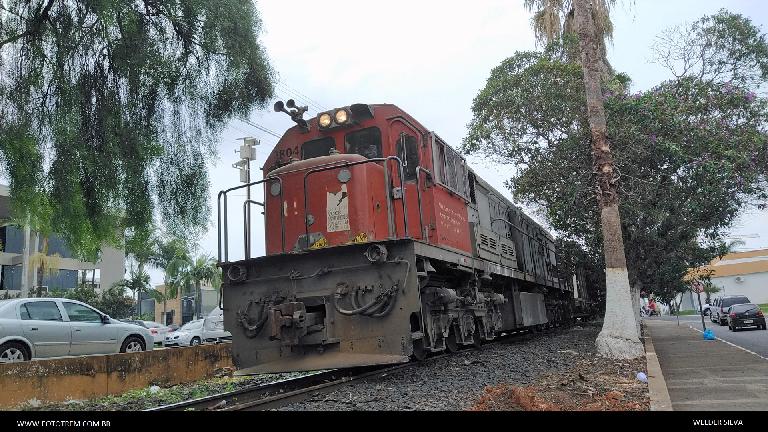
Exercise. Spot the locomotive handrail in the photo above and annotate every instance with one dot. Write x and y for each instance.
(390, 212)
(422, 228)
(223, 194)
(246, 232)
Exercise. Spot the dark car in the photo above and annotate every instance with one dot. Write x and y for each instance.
(745, 315)
(719, 309)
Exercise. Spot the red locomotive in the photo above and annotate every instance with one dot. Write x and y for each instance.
(382, 245)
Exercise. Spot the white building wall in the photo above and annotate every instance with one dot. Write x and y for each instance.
(754, 286)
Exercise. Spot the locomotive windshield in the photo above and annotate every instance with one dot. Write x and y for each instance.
(317, 147)
(365, 142)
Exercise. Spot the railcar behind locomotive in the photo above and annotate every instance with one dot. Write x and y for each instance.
(381, 245)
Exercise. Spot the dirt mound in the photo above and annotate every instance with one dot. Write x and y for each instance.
(594, 384)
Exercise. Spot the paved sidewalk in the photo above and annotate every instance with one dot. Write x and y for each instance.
(707, 375)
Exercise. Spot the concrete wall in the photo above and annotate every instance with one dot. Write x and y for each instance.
(89, 377)
(753, 285)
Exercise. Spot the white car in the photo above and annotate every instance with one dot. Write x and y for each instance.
(193, 333)
(56, 327)
(157, 330)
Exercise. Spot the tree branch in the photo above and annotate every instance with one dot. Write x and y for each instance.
(37, 22)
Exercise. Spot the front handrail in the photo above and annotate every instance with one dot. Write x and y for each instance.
(225, 228)
(246, 228)
(390, 210)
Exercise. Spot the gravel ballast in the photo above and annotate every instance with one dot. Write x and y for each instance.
(456, 382)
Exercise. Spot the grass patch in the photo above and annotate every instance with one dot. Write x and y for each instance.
(763, 307)
(688, 312)
(140, 399)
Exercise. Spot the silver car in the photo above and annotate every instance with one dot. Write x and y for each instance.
(54, 327)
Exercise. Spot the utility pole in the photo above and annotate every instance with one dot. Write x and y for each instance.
(247, 154)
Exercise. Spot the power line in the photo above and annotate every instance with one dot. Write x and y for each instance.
(261, 128)
(302, 95)
(299, 95)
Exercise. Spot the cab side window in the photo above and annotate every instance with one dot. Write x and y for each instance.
(408, 152)
(365, 142)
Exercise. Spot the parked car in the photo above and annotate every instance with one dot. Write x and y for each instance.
(719, 308)
(705, 309)
(55, 327)
(745, 315)
(157, 330)
(209, 329)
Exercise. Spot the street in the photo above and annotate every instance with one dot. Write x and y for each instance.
(751, 339)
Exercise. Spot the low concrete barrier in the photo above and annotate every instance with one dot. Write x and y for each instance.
(88, 377)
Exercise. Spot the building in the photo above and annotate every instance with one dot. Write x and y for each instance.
(738, 273)
(742, 273)
(68, 271)
(181, 310)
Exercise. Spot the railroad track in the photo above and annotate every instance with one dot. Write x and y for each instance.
(279, 393)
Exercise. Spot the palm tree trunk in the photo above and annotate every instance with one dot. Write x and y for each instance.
(25, 263)
(618, 338)
(34, 251)
(198, 300)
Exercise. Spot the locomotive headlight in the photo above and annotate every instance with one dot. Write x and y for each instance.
(341, 116)
(324, 120)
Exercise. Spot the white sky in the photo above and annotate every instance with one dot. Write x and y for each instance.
(430, 58)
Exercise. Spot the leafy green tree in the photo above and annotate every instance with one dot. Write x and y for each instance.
(115, 303)
(110, 110)
(689, 153)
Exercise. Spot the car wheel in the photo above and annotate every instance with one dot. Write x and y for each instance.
(12, 352)
(132, 344)
(195, 341)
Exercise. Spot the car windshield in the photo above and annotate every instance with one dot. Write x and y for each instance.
(192, 325)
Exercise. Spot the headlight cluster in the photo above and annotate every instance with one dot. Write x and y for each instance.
(338, 117)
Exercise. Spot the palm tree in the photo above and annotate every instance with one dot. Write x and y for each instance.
(619, 337)
(43, 263)
(137, 283)
(554, 20)
(203, 269)
(172, 257)
(590, 21)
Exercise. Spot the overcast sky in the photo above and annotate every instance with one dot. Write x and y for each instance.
(430, 58)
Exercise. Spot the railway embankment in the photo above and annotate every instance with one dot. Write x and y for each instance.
(559, 371)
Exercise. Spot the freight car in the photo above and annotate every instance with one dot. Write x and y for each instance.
(382, 245)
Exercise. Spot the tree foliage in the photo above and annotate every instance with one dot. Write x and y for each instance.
(109, 109)
(690, 153)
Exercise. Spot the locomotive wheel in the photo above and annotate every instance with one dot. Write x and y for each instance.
(419, 351)
(450, 342)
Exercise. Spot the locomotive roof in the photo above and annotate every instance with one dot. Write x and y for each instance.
(390, 110)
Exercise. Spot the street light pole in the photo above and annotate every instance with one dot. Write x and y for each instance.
(247, 154)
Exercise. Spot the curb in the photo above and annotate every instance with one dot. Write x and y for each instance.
(657, 386)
